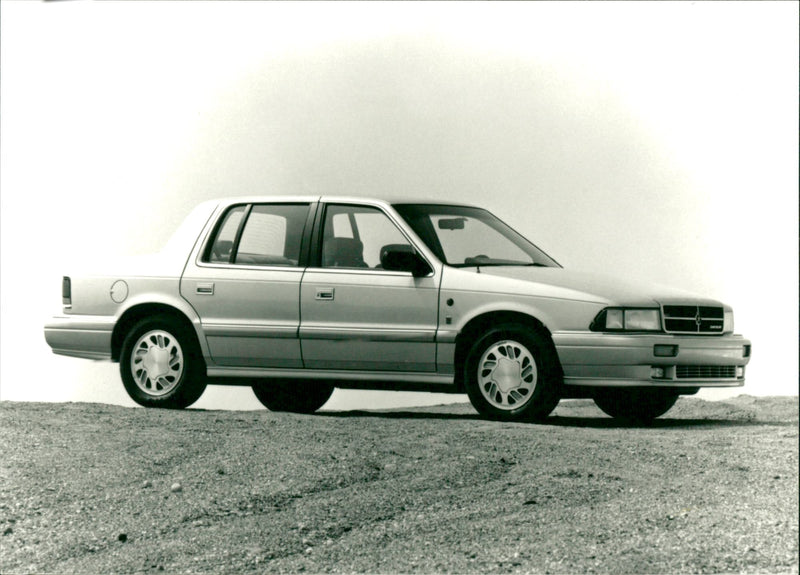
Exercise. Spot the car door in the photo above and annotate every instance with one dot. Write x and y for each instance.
(245, 285)
(356, 315)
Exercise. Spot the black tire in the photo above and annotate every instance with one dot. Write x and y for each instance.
(635, 405)
(161, 364)
(293, 396)
(511, 373)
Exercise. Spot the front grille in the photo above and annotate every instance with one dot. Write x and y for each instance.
(693, 319)
(705, 371)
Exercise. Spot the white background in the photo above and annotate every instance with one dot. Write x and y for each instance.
(651, 141)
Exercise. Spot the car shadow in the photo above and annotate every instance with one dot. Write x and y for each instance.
(660, 423)
(398, 414)
(600, 422)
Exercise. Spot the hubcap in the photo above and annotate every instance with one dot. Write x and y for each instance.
(507, 375)
(157, 363)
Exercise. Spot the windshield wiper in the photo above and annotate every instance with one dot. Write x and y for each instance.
(499, 264)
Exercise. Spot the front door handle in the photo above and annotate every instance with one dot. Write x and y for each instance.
(324, 294)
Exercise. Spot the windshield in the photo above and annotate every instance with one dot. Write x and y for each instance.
(463, 236)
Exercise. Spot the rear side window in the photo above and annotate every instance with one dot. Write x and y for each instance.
(226, 235)
(261, 235)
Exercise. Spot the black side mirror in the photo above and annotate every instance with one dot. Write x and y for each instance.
(403, 258)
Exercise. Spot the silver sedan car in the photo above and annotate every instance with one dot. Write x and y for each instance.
(295, 296)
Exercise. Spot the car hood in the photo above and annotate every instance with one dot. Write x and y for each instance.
(596, 287)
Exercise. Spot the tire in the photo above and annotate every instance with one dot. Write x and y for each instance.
(161, 364)
(293, 396)
(635, 405)
(512, 374)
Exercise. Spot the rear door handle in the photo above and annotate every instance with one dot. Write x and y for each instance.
(324, 294)
(205, 289)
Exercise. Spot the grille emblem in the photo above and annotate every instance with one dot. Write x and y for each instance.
(685, 318)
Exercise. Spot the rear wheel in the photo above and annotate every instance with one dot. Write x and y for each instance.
(293, 396)
(161, 364)
(636, 405)
(511, 374)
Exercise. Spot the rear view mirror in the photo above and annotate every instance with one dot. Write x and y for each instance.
(403, 258)
(451, 223)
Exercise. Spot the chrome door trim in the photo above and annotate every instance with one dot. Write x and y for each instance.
(253, 267)
(260, 331)
(368, 334)
(361, 271)
(267, 372)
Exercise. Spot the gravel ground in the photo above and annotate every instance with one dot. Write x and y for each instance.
(710, 488)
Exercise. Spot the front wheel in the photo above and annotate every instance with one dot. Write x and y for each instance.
(635, 405)
(161, 364)
(293, 396)
(511, 374)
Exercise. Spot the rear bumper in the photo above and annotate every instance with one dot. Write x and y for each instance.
(88, 337)
(617, 360)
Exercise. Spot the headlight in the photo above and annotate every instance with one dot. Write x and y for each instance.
(622, 319)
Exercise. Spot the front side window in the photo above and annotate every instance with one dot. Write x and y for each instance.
(261, 235)
(463, 236)
(356, 236)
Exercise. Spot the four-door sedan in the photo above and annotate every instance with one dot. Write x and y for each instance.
(297, 296)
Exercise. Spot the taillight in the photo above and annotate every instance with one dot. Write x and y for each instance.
(66, 291)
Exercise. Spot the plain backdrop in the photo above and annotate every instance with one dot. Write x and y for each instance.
(652, 141)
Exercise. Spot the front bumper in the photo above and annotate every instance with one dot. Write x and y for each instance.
(624, 360)
(88, 337)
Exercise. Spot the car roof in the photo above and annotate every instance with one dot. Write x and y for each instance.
(383, 201)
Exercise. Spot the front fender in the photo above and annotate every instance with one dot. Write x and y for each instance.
(554, 314)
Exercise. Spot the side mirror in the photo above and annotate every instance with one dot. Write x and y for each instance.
(403, 258)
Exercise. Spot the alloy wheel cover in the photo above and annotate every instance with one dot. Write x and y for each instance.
(507, 375)
(157, 363)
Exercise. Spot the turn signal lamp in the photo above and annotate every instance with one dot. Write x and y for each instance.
(663, 350)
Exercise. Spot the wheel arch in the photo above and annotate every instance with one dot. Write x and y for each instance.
(480, 323)
(138, 312)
